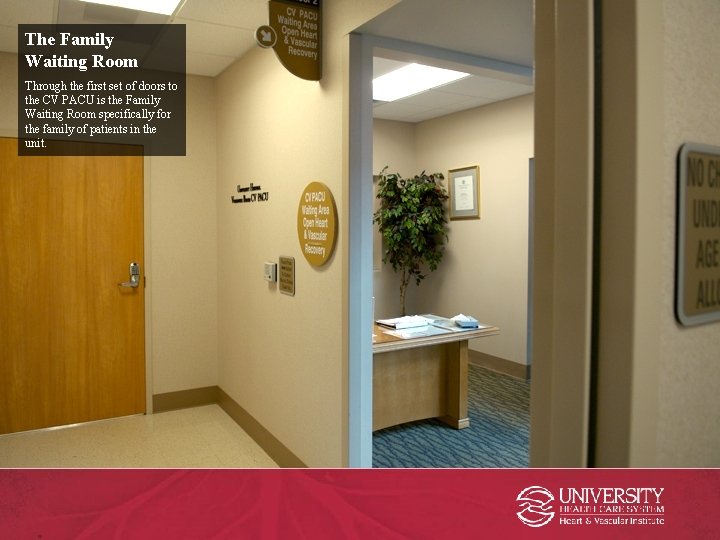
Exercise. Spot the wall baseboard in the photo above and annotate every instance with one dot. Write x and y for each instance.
(185, 399)
(214, 395)
(495, 363)
(280, 453)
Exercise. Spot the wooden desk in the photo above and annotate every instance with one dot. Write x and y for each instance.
(422, 377)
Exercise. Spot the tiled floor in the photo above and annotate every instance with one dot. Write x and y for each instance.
(202, 437)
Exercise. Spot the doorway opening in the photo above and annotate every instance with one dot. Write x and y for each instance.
(440, 139)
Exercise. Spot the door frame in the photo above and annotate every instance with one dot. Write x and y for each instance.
(360, 252)
(563, 251)
(562, 265)
(147, 257)
(147, 282)
(633, 162)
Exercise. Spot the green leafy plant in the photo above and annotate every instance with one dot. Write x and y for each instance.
(412, 223)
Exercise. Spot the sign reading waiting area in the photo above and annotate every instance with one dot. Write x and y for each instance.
(698, 243)
(317, 223)
(294, 32)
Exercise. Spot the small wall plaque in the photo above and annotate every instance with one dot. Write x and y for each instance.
(464, 191)
(250, 194)
(286, 276)
(697, 278)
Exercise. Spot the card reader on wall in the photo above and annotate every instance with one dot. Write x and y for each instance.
(270, 271)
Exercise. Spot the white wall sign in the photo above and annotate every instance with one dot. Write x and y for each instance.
(697, 281)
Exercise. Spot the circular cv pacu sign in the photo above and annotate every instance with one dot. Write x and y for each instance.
(317, 223)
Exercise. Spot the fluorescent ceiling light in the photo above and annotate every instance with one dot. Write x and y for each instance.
(164, 7)
(412, 79)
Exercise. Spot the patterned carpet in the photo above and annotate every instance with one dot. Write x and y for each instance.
(498, 436)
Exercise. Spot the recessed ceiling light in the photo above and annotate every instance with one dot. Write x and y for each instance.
(412, 79)
(164, 7)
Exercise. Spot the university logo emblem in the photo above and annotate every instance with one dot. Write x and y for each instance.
(535, 506)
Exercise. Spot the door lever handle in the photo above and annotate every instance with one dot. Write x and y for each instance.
(134, 277)
(133, 283)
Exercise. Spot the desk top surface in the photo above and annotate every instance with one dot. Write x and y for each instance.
(387, 339)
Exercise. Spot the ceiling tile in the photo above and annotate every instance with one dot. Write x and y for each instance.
(470, 103)
(35, 12)
(8, 39)
(400, 111)
(208, 65)
(499, 29)
(467, 93)
(431, 98)
(488, 87)
(248, 14)
(381, 66)
(217, 39)
(76, 12)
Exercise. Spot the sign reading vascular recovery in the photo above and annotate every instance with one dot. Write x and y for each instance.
(295, 34)
(317, 223)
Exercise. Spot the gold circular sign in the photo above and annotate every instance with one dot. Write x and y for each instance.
(317, 223)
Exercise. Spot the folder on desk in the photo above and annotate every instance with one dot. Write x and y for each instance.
(409, 321)
(419, 331)
(457, 323)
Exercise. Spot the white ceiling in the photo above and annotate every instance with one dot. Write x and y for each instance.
(220, 31)
(467, 93)
(496, 36)
(498, 29)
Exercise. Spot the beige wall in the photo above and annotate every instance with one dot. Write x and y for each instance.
(394, 147)
(484, 271)
(183, 236)
(182, 256)
(8, 94)
(213, 319)
(688, 430)
(282, 357)
(658, 404)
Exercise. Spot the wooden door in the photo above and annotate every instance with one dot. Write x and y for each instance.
(72, 342)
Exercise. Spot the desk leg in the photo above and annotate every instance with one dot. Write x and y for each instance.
(456, 413)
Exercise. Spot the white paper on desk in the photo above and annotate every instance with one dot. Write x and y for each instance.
(442, 322)
(419, 331)
(451, 324)
(409, 321)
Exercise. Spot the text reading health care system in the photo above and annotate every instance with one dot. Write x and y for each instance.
(114, 84)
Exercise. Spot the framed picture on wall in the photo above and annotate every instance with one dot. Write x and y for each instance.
(464, 191)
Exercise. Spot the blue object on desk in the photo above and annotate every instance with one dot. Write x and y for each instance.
(463, 321)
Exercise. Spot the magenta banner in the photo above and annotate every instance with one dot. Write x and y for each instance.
(345, 503)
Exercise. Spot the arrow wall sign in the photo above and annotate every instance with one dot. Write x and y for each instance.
(295, 34)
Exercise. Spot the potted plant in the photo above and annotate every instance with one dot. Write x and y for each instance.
(412, 223)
